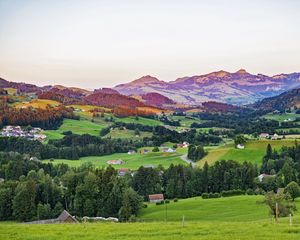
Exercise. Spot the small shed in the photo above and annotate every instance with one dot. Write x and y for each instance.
(154, 198)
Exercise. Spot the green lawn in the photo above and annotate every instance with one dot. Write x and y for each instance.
(117, 133)
(233, 209)
(140, 120)
(281, 117)
(76, 126)
(133, 161)
(253, 152)
(152, 231)
(231, 218)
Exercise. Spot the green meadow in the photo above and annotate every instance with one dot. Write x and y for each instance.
(253, 152)
(240, 217)
(281, 117)
(131, 161)
(77, 127)
(233, 209)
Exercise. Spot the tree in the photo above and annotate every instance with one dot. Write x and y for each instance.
(155, 149)
(293, 189)
(137, 132)
(284, 203)
(43, 211)
(24, 208)
(131, 204)
(239, 139)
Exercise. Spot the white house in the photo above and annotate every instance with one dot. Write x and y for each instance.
(240, 146)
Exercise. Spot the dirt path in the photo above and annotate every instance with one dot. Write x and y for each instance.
(184, 158)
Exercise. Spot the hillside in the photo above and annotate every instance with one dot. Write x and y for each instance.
(240, 87)
(281, 102)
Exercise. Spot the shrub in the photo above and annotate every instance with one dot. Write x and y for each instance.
(167, 201)
(145, 205)
(205, 195)
(250, 191)
(175, 200)
(234, 192)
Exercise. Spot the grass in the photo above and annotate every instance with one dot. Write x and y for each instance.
(151, 231)
(281, 117)
(140, 120)
(38, 103)
(229, 218)
(133, 161)
(77, 127)
(117, 133)
(253, 152)
(233, 209)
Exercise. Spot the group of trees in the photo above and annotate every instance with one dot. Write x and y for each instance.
(70, 147)
(49, 118)
(195, 153)
(33, 190)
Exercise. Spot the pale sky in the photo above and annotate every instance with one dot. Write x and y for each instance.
(94, 44)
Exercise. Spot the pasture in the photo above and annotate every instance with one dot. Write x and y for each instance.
(240, 217)
(253, 152)
(131, 161)
(77, 127)
(261, 230)
(38, 103)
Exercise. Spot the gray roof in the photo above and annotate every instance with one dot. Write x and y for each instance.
(64, 215)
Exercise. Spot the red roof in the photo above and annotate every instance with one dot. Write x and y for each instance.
(156, 197)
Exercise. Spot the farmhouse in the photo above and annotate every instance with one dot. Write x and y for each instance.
(64, 217)
(262, 176)
(154, 198)
(183, 145)
(264, 135)
(276, 137)
(115, 162)
(240, 146)
(122, 172)
(169, 150)
(144, 151)
(131, 152)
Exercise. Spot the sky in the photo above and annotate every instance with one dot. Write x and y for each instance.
(93, 44)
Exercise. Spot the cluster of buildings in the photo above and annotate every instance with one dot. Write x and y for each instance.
(269, 136)
(17, 131)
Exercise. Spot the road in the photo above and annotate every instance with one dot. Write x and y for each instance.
(184, 158)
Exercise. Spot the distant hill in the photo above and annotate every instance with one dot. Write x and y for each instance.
(156, 99)
(240, 87)
(289, 99)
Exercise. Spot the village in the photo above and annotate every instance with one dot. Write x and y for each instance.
(28, 133)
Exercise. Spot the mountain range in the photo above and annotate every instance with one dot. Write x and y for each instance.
(237, 88)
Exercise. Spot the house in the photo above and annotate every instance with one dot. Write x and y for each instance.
(154, 198)
(169, 150)
(262, 176)
(144, 151)
(115, 162)
(240, 146)
(183, 145)
(131, 152)
(64, 217)
(264, 135)
(122, 172)
(276, 137)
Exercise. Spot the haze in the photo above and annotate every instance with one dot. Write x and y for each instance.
(94, 44)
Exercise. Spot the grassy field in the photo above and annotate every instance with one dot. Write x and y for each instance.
(281, 117)
(38, 103)
(117, 133)
(229, 218)
(151, 231)
(133, 161)
(140, 120)
(233, 209)
(253, 152)
(76, 126)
